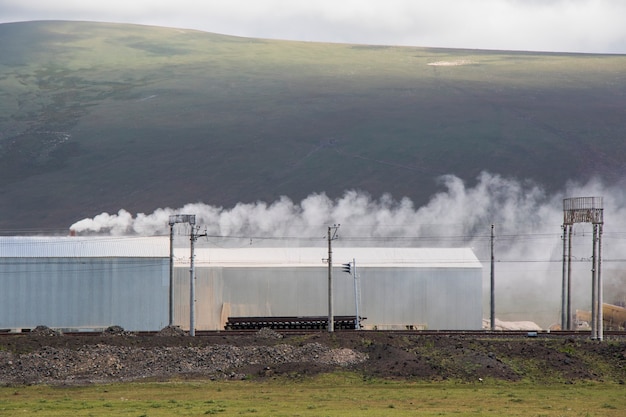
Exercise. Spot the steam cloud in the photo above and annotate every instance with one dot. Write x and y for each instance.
(527, 224)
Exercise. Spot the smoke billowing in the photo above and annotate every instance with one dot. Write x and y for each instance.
(527, 226)
(459, 210)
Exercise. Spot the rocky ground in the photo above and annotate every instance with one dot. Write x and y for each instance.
(44, 356)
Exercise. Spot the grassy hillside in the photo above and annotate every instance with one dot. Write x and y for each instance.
(97, 117)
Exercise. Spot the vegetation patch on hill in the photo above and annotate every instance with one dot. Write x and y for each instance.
(96, 117)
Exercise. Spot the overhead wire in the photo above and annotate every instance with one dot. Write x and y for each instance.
(448, 239)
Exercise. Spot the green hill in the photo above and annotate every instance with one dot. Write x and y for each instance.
(97, 117)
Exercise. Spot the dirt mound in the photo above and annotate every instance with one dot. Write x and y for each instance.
(116, 331)
(117, 356)
(101, 362)
(172, 331)
(44, 331)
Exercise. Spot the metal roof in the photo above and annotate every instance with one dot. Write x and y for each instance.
(83, 247)
(128, 247)
(386, 257)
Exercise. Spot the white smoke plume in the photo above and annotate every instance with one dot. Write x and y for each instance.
(459, 210)
(527, 227)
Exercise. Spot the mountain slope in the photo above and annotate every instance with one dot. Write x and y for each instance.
(97, 117)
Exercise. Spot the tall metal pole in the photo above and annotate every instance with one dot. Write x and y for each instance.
(493, 284)
(191, 220)
(585, 210)
(564, 281)
(332, 235)
(192, 286)
(331, 321)
(569, 278)
(594, 287)
(357, 323)
(177, 218)
(171, 295)
(599, 278)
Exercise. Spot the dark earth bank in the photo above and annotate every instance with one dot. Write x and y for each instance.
(48, 357)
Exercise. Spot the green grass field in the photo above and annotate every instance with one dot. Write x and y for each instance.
(328, 395)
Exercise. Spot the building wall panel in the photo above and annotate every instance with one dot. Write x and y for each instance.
(94, 285)
(433, 298)
(84, 293)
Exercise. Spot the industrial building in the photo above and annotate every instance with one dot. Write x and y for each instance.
(90, 283)
(83, 283)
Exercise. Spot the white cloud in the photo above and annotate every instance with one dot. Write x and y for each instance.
(546, 25)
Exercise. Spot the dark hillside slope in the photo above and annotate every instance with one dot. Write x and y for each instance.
(97, 117)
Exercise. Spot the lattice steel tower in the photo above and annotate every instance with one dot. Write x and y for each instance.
(583, 210)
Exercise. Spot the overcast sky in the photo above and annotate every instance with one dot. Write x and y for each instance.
(597, 26)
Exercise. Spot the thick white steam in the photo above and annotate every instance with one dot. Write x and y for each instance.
(458, 211)
(527, 225)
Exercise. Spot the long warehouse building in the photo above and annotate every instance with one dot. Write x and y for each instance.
(90, 283)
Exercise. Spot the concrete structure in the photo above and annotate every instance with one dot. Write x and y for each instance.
(92, 283)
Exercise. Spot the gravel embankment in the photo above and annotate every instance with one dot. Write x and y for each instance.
(125, 360)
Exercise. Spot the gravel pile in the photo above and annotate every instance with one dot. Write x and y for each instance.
(45, 331)
(116, 331)
(172, 331)
(46, 357)
(105, 363)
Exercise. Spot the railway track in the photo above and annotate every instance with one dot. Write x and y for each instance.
(299, 332)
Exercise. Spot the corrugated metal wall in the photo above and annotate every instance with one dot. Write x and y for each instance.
(84, 293)
(433, 298)
(125, 282)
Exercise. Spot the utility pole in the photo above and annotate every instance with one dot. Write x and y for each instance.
(596, 285)
(173, 219)
(599, 282)
(566, 289)
(569, 277)
(493, 284)
(350, 268)
(192, 281)
(564, 280)
(171, 295)
(192, 284)
(585, 210)
(332, 235)
(357, 323)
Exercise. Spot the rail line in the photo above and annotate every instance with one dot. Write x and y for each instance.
(301, 332)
